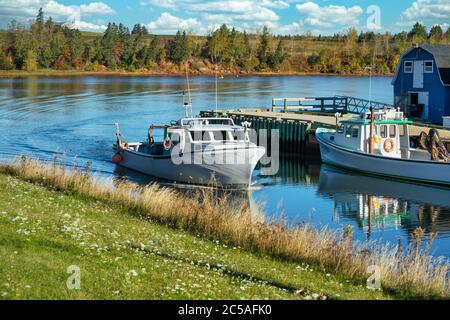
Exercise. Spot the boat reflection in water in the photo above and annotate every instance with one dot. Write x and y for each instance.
(380, 204)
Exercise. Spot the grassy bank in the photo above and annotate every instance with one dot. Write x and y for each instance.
(124, 256)
(150, 242)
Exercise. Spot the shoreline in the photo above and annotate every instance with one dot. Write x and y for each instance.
(334, 254)
(227, 74)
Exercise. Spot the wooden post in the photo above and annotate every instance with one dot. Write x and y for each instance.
(372, 131)
(285, 105)
(273, 104)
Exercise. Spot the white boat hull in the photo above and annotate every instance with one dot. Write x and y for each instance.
(237, 174)
(415, 170)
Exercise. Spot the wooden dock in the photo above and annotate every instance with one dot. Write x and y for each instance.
(297, 119)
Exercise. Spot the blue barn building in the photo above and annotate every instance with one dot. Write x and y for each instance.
(422, 82)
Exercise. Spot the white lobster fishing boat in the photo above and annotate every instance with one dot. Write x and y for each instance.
(378, 143)
(194, 150)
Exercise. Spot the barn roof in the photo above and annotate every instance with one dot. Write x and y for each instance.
(441, 53)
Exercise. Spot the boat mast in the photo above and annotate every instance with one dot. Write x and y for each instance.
(372, 129)
(187, 104)
(216, 85)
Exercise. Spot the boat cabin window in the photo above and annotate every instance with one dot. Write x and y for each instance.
(352, 131)
(175, 137)
(388, 131)
(340, 129)
(222, 136)
(392, 131)
(239, 135)
(383, 131)
(401, 130)
(200, 136)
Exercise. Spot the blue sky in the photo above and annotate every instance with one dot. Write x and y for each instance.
(200, 16)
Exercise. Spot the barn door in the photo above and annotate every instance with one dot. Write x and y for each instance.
(418, 74)
(424, 99)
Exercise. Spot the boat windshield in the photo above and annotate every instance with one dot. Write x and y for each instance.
(217, 135)
(207, 121)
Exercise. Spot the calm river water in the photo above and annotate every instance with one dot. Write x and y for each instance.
(75, 116)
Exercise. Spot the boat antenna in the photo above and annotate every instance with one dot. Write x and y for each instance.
(188, 104)
(216, 86)
(370, 73)
(370, 86)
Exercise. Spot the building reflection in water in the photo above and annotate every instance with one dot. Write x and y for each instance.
(376, 203)
(370, 211)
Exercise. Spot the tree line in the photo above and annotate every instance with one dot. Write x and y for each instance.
(49, 45)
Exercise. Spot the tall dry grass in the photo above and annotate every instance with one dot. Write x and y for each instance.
(412, 272)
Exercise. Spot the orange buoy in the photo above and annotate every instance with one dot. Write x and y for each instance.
(389, 145)
(117, 158)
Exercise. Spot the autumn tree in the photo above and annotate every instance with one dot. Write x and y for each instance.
(30, 63)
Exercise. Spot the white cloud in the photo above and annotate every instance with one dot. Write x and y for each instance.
(242, 14)
(274, 4)
(292, 28)
(159, 3)
(427, 9)
(169, 24)
(96, 8)
(331, 16)
(24, 10)
(426, 12)
(87, 26)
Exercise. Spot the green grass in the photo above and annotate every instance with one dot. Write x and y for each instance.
(124, 256)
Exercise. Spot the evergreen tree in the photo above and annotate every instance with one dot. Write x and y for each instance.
(245, 53)
(218, 45)
(418, 33)
(40, 18)
(263, 49)
(136, 29)
(139, 29)
(436, 33)
(178, 48)
(152, 51)
(49, 24)
(277, 58)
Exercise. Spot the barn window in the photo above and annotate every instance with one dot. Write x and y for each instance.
(408, 67)
(428, 67)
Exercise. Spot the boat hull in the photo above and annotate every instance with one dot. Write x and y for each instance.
(236, 174)
(413, 170)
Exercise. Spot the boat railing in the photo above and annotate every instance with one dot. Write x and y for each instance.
(206, 121)
(342, 104)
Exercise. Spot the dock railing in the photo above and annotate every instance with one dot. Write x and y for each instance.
(342, 104)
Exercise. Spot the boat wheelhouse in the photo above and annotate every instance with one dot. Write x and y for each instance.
(378, 143)
(194, 150)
